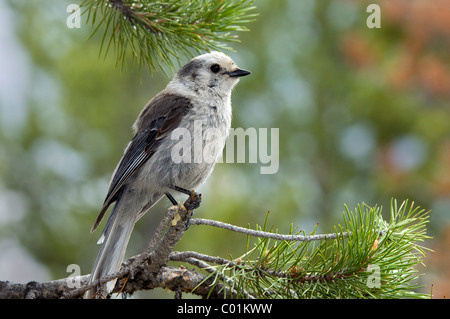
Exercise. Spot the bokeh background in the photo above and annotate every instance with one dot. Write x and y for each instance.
(363, 116)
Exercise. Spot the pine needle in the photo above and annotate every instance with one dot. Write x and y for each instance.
(156, 34)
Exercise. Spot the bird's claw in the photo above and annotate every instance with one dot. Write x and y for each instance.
(193, 202)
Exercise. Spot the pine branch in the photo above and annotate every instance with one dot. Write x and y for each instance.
(372, 258)
(155, 33)
(168, 277)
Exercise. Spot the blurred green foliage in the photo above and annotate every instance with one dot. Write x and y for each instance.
(363, 117)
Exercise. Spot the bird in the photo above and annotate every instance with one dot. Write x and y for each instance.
(192, 113)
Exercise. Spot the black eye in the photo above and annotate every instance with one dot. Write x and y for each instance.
(215, 68)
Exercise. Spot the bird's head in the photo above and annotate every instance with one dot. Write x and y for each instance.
(213, 70)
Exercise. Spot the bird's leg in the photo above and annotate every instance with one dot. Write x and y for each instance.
(193, 202)
(194, 198)
(182, 190)
(172, 200)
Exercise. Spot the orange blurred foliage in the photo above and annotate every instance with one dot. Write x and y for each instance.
(439, 262)
(421, 59)
(442, 174)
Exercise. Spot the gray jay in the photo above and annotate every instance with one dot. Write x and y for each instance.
(196, 104)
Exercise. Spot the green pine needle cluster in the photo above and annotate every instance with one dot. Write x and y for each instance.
(375, 259)
(159, 33)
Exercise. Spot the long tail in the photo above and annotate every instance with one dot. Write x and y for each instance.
(114, 241)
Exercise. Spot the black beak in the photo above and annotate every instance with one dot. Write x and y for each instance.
(238, 73)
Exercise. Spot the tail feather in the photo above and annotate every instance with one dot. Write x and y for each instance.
(114, 240)
(115, 237)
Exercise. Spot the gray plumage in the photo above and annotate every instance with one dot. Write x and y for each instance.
(200, 92)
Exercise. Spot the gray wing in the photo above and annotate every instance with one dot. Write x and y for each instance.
(157, 120)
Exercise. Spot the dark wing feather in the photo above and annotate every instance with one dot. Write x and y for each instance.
(157, 120)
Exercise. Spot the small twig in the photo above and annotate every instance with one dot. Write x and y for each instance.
(264, 234)
(184, 255)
